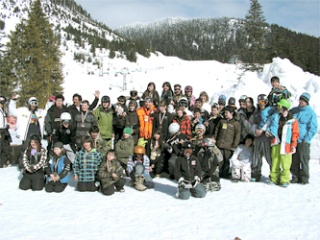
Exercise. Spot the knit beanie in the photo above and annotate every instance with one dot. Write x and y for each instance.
(127, 130)
(58, 145)
(305, 97)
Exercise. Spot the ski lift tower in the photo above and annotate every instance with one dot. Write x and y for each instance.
(124, 71)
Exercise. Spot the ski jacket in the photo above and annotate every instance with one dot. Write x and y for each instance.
(104, 119)
(307, 120)
(106, 169)
(52, 120)
(241, 156)
(34, 162)
(86, 165)
(84, 121)
(185, 124)
(187, 168)
(24, 118)
(124, 149)
(227, 134)
(145, 117)
(61, 166)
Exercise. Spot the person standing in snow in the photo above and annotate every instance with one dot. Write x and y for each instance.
(33, 161)
(188, 174)
(227, 138)
(75, 108)
(5, 137)
(162, 120)
(84, 121)
(152, 93)
(262, 146)
(177, 94)
(146, 117)
(191, 99)
(57, 169)
(240, 160)
(284, 142)
(308, 127)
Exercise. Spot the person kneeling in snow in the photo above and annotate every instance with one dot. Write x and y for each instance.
(57, 169)
(139, 168)
(240, 160)
(111, 174)
(188, 173)
(210, 156)
(33, 160)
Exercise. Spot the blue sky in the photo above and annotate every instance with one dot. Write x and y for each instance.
(298, 15)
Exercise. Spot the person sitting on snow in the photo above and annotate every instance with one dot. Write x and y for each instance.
(139, 169)
(111, 174)
(240, 160)
(188, 174)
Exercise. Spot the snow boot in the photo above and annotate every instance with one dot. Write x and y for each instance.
(139, 184)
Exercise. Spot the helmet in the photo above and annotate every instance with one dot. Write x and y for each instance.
(174, 128)
(200, 127)
(3, 99)
(133, 93)
(139, 150)
(188, 89)
(35, 137)
(65, 116)
(33, 101)
(105, 99)
(284, 103)
(183, 100)
(232, 101)
(187, 145)
(122, 98)
(262, 99)
(208, 142)
(242, 98)
(222, 100)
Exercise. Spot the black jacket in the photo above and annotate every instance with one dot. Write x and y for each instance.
(187, 168)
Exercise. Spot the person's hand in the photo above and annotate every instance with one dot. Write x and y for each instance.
(181, 182)
(52, 177)
(206, 124)
(151, 168)
(196, 181)
(258, 132)
(57, 178)
(96, 94)
(76, 178)
(268, 134)
(114, 175)
(293, 150)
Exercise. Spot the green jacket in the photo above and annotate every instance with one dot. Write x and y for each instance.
(124, 149)
(106, 169)
(104, 119)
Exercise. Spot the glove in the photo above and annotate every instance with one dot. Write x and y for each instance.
(181, 182)
(166, 146)
(195, 181)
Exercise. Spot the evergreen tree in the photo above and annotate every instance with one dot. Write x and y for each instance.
(255, 26)
(33, 57)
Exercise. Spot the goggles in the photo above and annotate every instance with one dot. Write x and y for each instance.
(66, 121)
(33, 103)
(262, 102)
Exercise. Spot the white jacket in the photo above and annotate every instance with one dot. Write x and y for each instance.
(23, 119)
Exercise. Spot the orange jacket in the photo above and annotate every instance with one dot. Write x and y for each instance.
(145, 117)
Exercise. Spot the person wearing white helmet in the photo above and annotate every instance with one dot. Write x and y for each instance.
(173, 146)
(29, 120)
(66, 134)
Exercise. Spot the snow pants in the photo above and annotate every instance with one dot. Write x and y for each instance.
(241, 172)
(34, 181)
(138, 171)
(57, 187)
(86, 187)
(118, 185)
(224, 167)
(300, 163)
(281, 163)
(198, 192)
(261, 149)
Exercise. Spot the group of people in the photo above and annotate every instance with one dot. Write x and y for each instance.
(172, 134)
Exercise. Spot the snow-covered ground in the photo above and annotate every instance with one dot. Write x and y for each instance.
(245, 210)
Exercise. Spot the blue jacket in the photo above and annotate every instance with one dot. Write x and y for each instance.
(265, 117)
(60, 168)
(307, 120)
